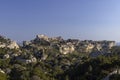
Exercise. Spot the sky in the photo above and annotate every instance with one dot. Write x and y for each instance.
(82, 19)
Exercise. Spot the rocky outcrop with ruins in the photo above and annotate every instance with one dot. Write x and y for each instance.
(71, 45)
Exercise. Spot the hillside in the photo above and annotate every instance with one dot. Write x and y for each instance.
(46, 58)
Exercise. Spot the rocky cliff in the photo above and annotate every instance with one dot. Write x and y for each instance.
(70, 45)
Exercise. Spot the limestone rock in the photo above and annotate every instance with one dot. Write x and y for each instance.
(2, 45)
(41, 36)
(6, 56)
(26, 43)
(2, 71)
(13, 45)
(65, 49)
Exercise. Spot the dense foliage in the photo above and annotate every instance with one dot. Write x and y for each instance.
(60, 67)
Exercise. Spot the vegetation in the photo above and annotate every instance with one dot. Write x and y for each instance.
(61, 67)
(41, 60)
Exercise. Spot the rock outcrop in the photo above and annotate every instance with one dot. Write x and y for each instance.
(42, 37)
(13, 45)
(4, 42)
(68, 48)
(70, 45)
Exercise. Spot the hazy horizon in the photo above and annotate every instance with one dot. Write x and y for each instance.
(80, 19)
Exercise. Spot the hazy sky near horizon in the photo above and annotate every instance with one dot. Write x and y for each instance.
(83, 19)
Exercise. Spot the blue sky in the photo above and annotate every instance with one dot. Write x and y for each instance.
(84, 19)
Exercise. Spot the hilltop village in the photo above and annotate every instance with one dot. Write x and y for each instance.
(48, 56)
